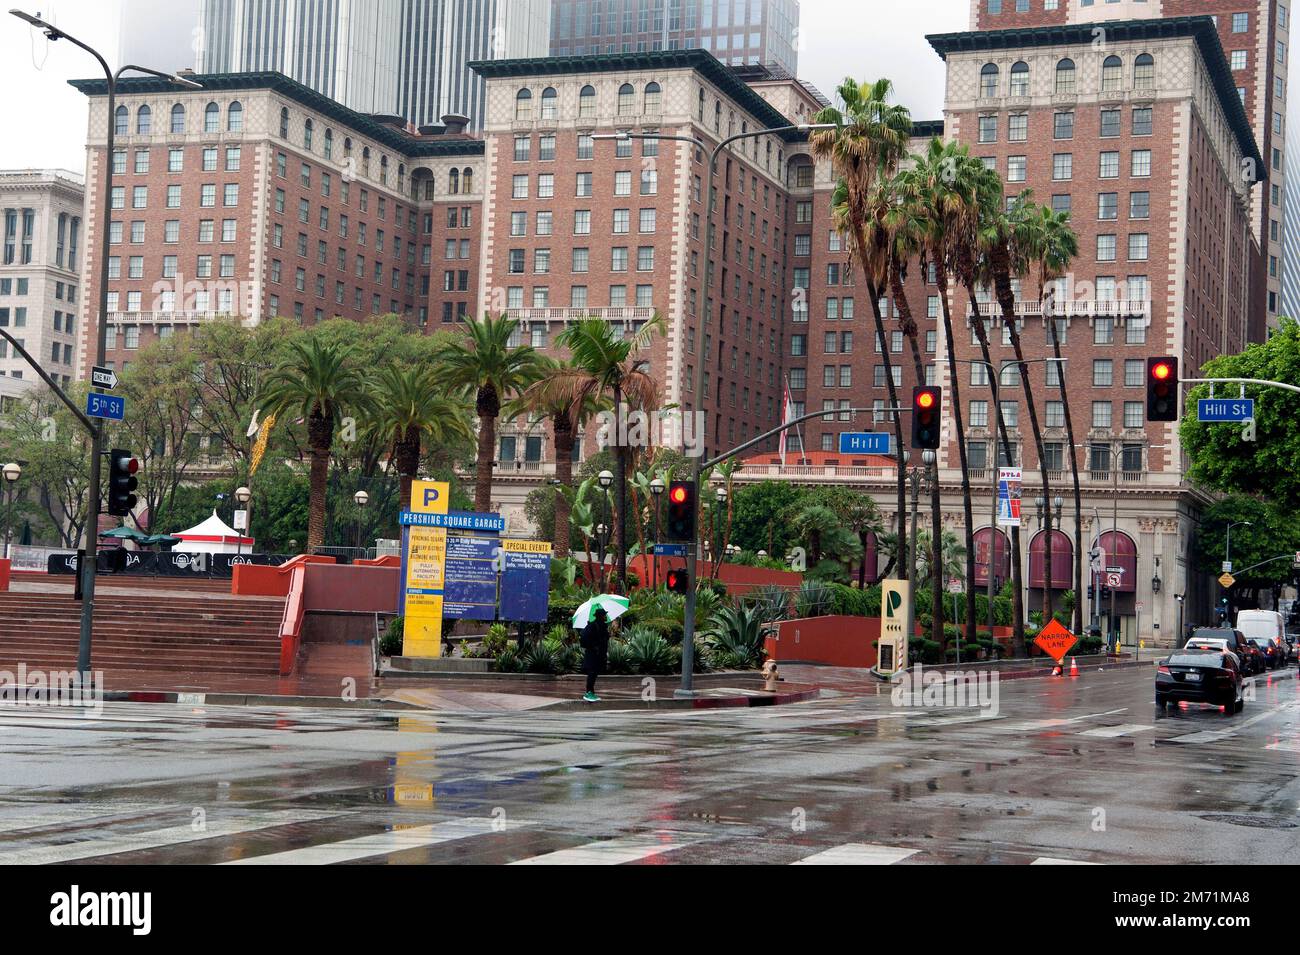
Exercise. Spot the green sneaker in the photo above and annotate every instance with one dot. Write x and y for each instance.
(591, 697)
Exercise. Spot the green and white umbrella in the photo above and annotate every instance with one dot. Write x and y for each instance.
(613, 605)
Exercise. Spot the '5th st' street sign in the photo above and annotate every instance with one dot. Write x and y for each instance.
(111, 407)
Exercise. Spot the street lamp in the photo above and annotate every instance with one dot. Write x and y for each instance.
(243, 495)
(87, 565)
(12, 472)
(710, 212)
(362, 499)
(1227, 547)
(656, 490)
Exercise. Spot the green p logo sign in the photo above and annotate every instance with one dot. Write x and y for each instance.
(893, 600)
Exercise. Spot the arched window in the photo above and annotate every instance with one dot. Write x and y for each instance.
(1065, 75)
(1117, 550)
(235, 117)
(1144, 72)
(717, 116)
(401, 176)
(329, 144)
(524, 104)
(989, 80)
(347, 145)
(467, 179)
(121, 121)
(308, 134)
(587, 101)
(212, 118)
(1020, 79)
(990, 542)
(144, 121)
(626, 100)
(383, 170)
(1062, 561)
(178, 118)
(365, 161)
(653, 97)
(1112, 73)
(284, 122)
(453, 182)
(550, 103)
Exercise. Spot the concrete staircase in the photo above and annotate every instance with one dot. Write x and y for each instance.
(161, 632)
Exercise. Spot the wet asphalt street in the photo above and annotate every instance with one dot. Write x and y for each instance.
(1067, 771)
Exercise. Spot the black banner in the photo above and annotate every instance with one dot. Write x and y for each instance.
(166, 564)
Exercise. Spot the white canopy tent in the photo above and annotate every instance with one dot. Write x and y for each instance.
(213, 536)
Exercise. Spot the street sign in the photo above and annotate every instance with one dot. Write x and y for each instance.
(670, 550)
(1225, 409)
(1114, 580)
(864, 442)
(111, 407)
(1055, 640)
(102, 377)
(455, 520)
(1094, 561)
(955, 585)
(1226, 567)
(240, 520)
(1115, 570)
(1227, 580)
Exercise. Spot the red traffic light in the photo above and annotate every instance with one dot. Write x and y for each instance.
(676, 581)
(132, 466)
(677, 495)
(925, 399)
(1161, 370)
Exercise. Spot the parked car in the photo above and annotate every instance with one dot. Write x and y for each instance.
(1249, 659)
(1274, 655)
(1200, 676)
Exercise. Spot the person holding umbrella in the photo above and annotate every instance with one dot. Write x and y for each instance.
(592, 618)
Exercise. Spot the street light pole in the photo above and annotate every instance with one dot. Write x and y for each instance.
(688, 634)
(91, 534)
(656, 489)
(242, 496)
(11, 473)
(362, 499)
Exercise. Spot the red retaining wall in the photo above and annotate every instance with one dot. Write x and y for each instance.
(739, 578)
(4, 573)
(351, 588)
(836, 640)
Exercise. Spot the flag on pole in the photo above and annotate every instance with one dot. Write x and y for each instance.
(259, 448)
(787, 413)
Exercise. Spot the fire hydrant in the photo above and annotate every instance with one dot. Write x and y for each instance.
(771, 676)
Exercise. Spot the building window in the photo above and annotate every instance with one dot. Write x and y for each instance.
(1141, 163)
(1063, 126)
(1142, 121)
(1065, 76)
(1144, 72)
(1112, 73)
(989, 81)
(1020, 79)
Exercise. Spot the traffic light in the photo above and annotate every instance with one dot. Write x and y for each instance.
(121, 482)
(1162, 389)
(1091, 592)
(681, 511)
(676, 581)
(927, 404)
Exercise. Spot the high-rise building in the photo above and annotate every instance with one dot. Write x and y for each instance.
(40, 270)
(1255, 36)
(393, 57)
(1291, 226)
(737, 32)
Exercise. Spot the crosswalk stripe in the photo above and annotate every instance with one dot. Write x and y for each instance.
(381, 843)
(157, 838)
(1124, 729)
(859, 853)
(1049, 860)
(15, 819)
(614, 851)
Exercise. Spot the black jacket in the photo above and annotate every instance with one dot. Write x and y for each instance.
(595, 641)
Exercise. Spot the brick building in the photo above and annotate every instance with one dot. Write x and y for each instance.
(334, 212)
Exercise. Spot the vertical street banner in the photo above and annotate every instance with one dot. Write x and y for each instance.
(895, 596)
(470, 591)
(525, 580)
(1009, 487)
(424, 562)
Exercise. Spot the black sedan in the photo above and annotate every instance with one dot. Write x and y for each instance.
(1274, 655)
(1200, 676)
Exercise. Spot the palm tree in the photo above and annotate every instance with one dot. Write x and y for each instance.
(559, 396)
(315, 382)
(606, 362)
(869, 139)
(983, 265)
(941, 186)
(407, 408)
(488, 365)
(1050, 244)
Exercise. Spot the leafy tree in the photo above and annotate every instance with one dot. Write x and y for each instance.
(407, 407)
(1268, 467)
(756, 516)
(53, 448)
(1270, 533)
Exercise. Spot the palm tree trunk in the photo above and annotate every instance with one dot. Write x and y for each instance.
(487, 441)
(1017, 595)
(901, 565)
(406, 457)
(908, 324)
(563, 435)
(1007, 301)
(620, 478)
(1074, 474)
(941, 274)
(317, 484)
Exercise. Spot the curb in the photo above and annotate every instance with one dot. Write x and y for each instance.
(698, 703)
(254, 699)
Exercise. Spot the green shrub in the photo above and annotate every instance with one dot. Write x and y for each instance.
(540, 658)
(562, 608)
(814, 598)
(619, 659)
(390, 643)
(736, 634)
(496, 639)
(508, 661)
(770, 602)
(921, 650)
(648, 652)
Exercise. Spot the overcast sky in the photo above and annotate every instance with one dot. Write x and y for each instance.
(862, 38)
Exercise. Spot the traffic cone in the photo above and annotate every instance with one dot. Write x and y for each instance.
(1074, 667)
